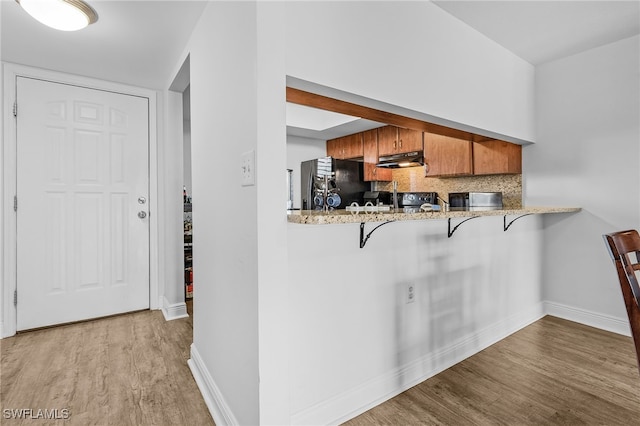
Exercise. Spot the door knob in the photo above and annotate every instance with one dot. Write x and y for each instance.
(142, 200)
(142, 214)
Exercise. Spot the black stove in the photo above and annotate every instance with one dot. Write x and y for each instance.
(416, 199)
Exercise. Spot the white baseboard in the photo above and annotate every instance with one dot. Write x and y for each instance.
(218, 407)
(367, 395)
(173, 311)
(340, 408)
(592, 319)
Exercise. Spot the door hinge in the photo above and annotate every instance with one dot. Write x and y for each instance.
(15, 203)
(15, 297)
(15, 109)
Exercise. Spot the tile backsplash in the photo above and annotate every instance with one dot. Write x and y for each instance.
(412, 180)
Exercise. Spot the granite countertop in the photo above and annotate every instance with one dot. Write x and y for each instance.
(313, 217)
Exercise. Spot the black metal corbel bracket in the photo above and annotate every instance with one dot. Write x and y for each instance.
(451, 231)
(505, 226)
(363, 239)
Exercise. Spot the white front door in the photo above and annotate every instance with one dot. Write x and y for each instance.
(83, 189)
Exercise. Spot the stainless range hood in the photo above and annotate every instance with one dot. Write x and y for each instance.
(407, 159)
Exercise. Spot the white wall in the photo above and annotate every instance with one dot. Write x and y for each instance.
(300, 149)
(186, 159)
(354, 339)
(2, 191)
(186, 135)
(414, 55)
(172, 235)
(273, 286)
(223, 126)
(240, 351)
(354, 342)
(586, 155)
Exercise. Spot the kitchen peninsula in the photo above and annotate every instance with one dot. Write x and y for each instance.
(466, 162)
(418, 300)
(318, 217)
(404, 294)
(345, 216)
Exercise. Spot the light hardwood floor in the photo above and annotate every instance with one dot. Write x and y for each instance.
(131, 370)
(124, 370)
(554, 372)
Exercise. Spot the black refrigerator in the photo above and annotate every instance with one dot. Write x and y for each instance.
(347, 176)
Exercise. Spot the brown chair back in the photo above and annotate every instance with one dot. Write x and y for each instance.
(624, 248)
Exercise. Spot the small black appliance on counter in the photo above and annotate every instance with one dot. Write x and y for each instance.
(416, 199)
(379, 197)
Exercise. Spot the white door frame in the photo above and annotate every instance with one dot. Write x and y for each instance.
(8, 285)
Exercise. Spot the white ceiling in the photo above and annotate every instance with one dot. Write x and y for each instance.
(138, 42)
(542, 31)
(133, 42)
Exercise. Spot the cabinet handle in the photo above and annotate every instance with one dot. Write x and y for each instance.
(400, 143)
(395, 144)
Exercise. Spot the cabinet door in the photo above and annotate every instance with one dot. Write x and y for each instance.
(496, 157)
(409, 140)
(387, 140)
(334, 149)
(346, 147)
(447, 156)
(352, 146)
(370, 145)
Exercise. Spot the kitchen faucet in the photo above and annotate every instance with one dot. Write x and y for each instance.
(445, 205)
(395, 195)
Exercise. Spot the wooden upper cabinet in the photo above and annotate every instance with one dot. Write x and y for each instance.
(346, 147)
(334, 148)
(371, 172)
(353, 147)
(447, 156)
(409, 140)
(387, 140)
(443, 155)
(395, 140)
(496, 157)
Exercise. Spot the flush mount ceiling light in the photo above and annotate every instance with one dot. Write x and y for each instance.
(64, 15)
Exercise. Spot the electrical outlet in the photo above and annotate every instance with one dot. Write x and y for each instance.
(248, 168)
(411, 293)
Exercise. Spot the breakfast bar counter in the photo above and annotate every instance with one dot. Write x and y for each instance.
(318, 217)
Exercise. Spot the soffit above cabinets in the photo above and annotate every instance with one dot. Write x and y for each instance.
(321, 124)
(376, 117)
